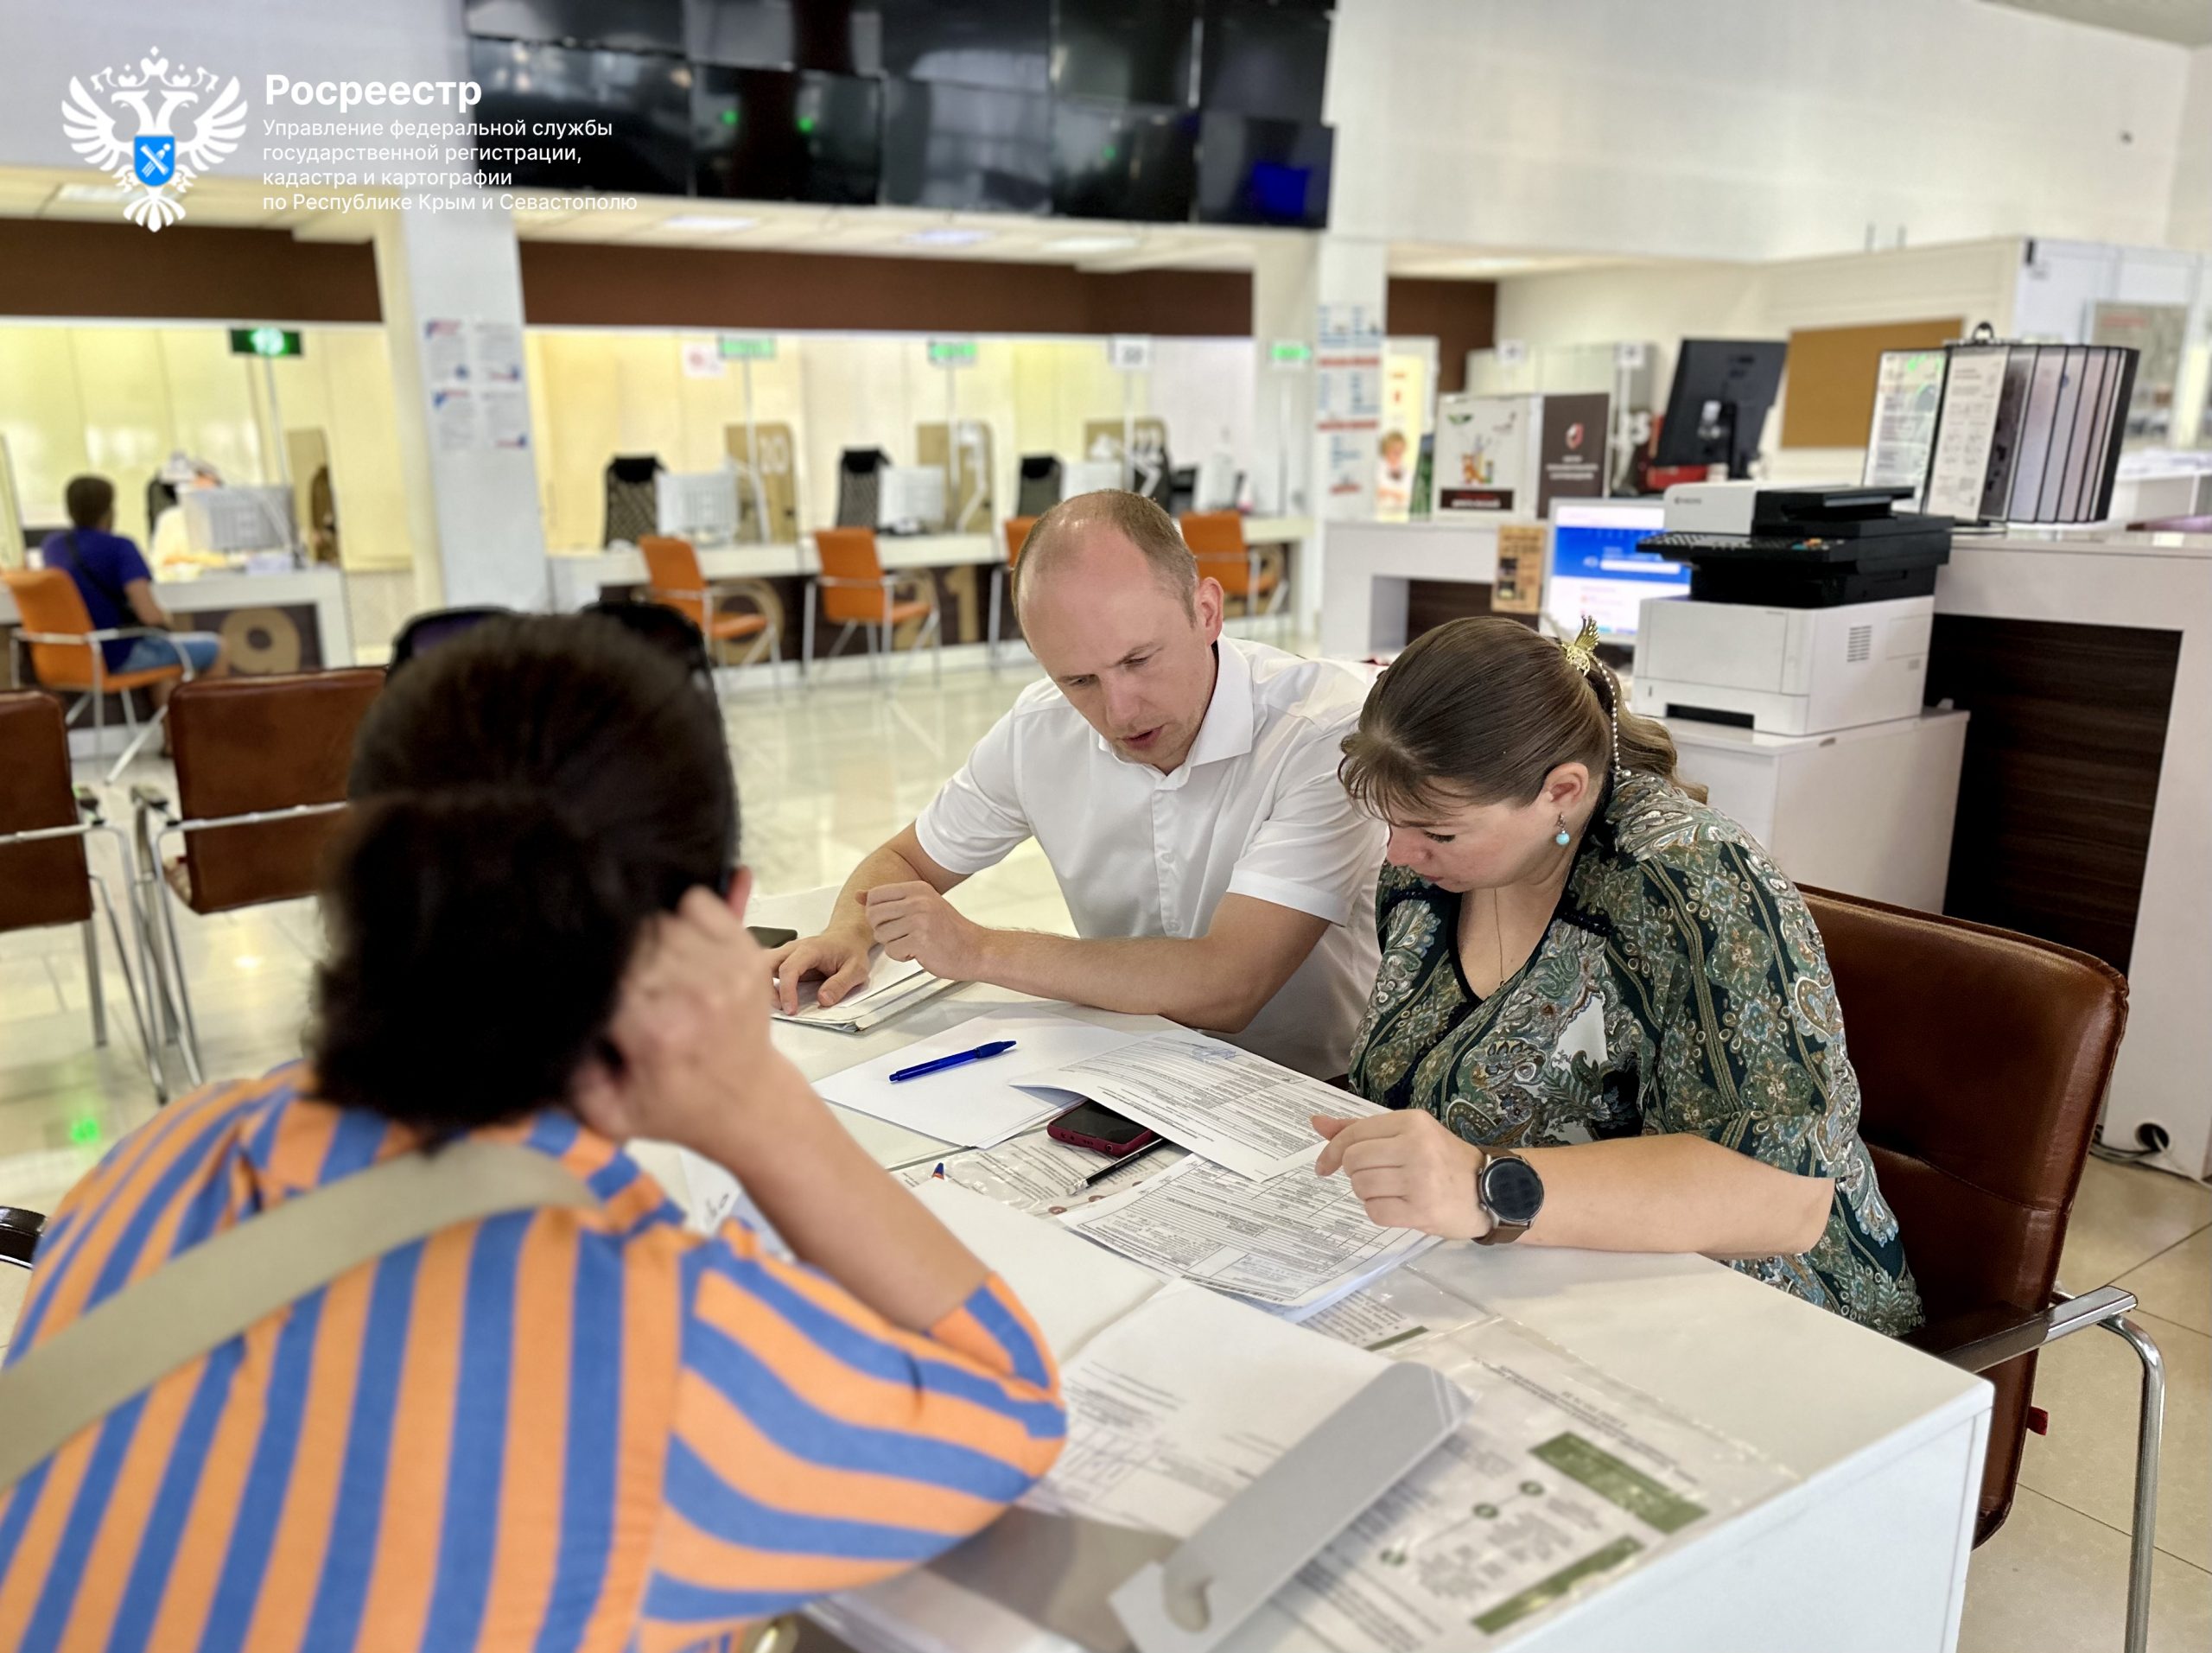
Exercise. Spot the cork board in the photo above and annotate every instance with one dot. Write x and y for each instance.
(1829, 399)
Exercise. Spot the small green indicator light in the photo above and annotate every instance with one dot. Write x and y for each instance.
(85, 1133)
(1108, 152)
(729, 117)
(806, 123)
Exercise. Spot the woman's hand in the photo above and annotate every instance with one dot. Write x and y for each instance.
(691, 1032)
(1407, 1170)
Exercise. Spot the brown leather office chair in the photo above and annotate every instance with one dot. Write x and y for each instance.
(46, 877)
(1983, 1057)
(261, 766)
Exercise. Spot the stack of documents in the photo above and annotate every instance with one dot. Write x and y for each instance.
(893, 986)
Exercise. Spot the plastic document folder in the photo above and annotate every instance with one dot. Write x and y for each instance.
(893, 986)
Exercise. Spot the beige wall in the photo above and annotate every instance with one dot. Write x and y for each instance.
(118, 399)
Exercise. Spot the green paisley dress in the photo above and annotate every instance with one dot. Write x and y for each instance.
(1680, 986)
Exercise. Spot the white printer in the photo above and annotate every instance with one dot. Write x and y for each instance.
(1809, 609)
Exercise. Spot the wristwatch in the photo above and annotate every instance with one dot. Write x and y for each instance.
(1508, 1187)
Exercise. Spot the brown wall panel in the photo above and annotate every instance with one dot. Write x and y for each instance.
(2060, 772)
(575, 284)
(52, 268)
(1460, 315)
(1830, 397)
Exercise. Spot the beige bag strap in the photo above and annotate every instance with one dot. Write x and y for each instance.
(195, 1302)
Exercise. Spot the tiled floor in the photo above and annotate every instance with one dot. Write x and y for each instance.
(824, 778)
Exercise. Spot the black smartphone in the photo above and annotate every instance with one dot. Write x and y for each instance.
(771, 938)
(1100, 1129)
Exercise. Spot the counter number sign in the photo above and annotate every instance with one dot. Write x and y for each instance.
(264, 341)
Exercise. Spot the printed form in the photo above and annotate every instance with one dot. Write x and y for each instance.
(1293, 1241)
(1234, 1108)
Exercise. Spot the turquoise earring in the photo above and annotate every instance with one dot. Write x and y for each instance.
(1562, 837)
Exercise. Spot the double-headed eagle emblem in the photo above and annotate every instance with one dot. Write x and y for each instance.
(158, 164)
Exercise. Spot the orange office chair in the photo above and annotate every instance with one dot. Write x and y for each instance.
(677, 582)
(1017, 535)
(67, 656)
(1217, 539)
(853, 589)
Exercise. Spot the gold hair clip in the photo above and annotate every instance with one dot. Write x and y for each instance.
(1582, 652)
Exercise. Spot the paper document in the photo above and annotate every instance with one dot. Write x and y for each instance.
(892, 985)
(1033, 1172)
(1175, 1409)
(1294, 1241)
(1237, 1109)
(1395, 1313)
(1072, 1291)
(1558, 1477)
(977, 1105)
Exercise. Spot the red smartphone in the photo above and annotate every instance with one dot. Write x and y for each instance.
(1100, 1129)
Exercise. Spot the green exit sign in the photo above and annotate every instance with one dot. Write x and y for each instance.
(264, 341)
(952, 352)
(748, 346)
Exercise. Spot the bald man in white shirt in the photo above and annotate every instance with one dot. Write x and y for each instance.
(1183, 785)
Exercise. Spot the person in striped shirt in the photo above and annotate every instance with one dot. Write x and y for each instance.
(587, 1428)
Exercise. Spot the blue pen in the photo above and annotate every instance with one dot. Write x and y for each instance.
(981, 1053)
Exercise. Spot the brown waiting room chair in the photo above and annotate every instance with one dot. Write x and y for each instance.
(70, 657)
(46, 877)
(261, 766)
(854, 589)
(1017, 535)
(1983, 1058)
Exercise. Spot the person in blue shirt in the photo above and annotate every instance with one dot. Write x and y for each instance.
(119, 590)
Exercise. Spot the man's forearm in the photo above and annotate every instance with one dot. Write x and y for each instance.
(881, 867)
(1158, 976)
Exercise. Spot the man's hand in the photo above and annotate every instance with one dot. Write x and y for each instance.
(839, 958)
(1409, 1170)
(913, 921)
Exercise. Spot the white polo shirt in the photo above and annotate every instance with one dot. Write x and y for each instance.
(1255, 809)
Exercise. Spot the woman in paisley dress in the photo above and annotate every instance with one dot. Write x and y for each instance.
(1587, 967)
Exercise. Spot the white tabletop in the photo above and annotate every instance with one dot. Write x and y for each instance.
(1884, 1441)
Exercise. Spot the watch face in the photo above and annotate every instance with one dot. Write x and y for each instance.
(1512, 1190)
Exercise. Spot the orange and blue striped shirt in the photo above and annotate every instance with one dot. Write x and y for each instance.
(548, 1430)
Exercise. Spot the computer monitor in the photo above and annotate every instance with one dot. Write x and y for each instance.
(1722, 393)
(700, 506)
(229, 521)
(1595, 568)
(1092, 476)
(910, 499)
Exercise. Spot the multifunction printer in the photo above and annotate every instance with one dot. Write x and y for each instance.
(1809, 608)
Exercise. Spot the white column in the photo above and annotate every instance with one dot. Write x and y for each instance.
(472, 485)
(1286, 276)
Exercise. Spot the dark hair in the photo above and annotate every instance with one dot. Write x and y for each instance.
(1480, 710)
(1137, 519)
(526, 798)
(88, 499)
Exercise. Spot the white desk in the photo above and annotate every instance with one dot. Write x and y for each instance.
(1367, 567)
(578, 577)
(1867, 1551)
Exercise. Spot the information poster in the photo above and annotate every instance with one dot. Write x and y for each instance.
(1571, 449)
(1908, 391)
(1519, 587)
(1958, 468)
(1348, 394)
(473, 374)
(1482, 452)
